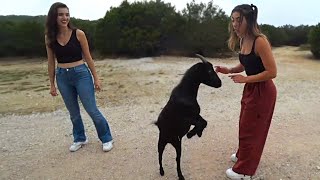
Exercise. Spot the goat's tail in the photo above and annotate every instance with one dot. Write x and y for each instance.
(155, 123)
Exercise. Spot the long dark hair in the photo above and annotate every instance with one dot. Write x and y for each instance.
(51, 23)
(250, 12)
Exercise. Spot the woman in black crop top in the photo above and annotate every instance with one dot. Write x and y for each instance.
(69, 47)
(259, 94)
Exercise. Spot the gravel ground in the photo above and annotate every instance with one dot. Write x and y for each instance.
(35, 146)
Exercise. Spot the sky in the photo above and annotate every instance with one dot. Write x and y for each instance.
(273, 12)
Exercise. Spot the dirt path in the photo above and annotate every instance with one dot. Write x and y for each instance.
(36, 146)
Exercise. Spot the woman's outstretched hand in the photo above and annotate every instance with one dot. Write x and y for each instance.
(238, 78)
(222, 69)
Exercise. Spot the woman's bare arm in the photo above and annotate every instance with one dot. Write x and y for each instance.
(87, 56)
(51, 63)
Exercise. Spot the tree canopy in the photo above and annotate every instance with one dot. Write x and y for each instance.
(149, 28)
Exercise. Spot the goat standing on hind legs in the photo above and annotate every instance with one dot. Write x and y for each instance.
(183, 110)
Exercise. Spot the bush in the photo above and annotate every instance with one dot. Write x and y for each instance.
(314, 40)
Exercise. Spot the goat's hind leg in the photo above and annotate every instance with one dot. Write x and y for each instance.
(177, 145)
(161, 145)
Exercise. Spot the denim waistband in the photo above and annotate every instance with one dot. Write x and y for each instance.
(72, 68)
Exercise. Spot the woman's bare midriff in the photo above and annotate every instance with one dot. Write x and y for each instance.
(70, 65)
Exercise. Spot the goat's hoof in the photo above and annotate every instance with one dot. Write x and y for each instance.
(161, 172)
(189, 135)
(199, 134)
(181, 177)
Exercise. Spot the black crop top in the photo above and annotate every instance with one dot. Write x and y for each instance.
(252, 63)
(71, 52)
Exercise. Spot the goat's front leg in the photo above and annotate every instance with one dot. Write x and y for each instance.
(202, 124)
(177, 145)
(199, 125)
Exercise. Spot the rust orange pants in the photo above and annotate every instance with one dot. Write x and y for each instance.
(257, 106)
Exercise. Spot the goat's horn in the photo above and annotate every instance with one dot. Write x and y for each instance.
(202, 58)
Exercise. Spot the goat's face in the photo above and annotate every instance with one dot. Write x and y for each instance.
(209, 76)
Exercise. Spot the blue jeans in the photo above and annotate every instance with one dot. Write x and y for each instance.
(77, 82)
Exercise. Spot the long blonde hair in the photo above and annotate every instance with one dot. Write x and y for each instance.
(250, 12)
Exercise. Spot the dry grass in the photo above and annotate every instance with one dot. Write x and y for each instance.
(24, 84)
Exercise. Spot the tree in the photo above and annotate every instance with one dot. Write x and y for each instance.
(25, 38)
(134, 29)
(7, 46)
(206, 30)
(314, 40)
(276, 36)
(296, 35)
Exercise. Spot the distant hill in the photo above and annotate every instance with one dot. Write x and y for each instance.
(41, 19)
(21, 18)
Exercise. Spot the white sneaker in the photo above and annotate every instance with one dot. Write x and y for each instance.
(235, 176)
(234, 158)
(77, 145)
(107, 146)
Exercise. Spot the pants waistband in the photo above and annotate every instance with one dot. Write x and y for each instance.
(71, 68)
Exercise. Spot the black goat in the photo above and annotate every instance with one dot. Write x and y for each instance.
(183, 110)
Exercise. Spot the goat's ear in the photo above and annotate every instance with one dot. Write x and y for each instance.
(202, 58)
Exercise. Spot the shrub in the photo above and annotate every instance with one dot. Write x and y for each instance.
(314, 40)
